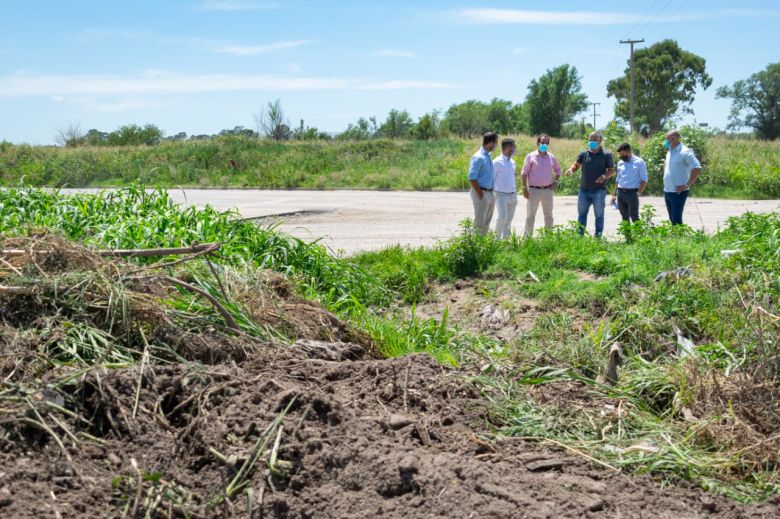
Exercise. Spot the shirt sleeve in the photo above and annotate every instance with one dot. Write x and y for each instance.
(474, 166)
(526, 166)
(580, 158)
(641, 167)
(610, 161)
(691, 160)
(556, 167)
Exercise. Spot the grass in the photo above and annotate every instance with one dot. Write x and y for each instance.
(591, 293)
(734, 168)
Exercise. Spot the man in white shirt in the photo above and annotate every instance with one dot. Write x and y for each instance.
(505, 188)
(681, 169)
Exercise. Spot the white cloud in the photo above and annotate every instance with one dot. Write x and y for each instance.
(396, 53)
(514, 16)
(254, 50)
(519, 50)
(166, 83)
(234, 5)
(518, 16)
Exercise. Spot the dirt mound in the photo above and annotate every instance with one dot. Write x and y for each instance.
(113, 404)
(393, 438)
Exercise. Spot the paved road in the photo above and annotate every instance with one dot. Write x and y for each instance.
(351, 221)
(364, 220)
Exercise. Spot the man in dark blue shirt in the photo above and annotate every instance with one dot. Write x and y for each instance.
(597, 166)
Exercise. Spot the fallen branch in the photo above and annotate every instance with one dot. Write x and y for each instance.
(17, 291)
(123, 253)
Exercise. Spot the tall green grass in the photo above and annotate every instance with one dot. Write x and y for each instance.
(734, 168)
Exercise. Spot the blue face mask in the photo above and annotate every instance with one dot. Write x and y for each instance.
(593, 145)
(667, 144)
(543, 147)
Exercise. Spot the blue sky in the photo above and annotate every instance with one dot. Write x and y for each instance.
(203, 65)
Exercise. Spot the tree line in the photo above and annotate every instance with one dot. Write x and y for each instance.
(666, 79)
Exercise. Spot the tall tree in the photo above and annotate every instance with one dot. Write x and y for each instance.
(666, 80)
(272, 122)
(467, 119)
(756, 102)
(398, 125)
(553, 99)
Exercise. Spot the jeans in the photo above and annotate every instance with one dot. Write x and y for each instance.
(628, 204)
(675, 203)
(598, 199)
(506, 203)
(483, 210)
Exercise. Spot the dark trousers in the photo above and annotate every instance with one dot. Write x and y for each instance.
(675, 203)
(628, 204)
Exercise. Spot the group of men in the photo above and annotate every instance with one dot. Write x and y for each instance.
(494, 182)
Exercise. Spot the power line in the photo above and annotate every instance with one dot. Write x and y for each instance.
(595, 114)
(631, 109)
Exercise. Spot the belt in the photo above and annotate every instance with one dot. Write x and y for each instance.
(485, 189)
(628, 189)
(541, 187)
(506, 192)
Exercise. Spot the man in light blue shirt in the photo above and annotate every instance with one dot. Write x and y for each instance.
(481, 178)
(631, 182)
(681, 169)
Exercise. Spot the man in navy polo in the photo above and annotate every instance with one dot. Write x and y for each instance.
(481, 177)
(631, 181)
(597, 166)
(681, 169)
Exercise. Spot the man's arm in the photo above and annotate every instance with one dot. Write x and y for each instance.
(475, 185)
(692, 161)
(642, 176)
(474, 166)
(577, 163)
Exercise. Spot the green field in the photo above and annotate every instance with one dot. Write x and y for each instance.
(732, 169)
(705, 414)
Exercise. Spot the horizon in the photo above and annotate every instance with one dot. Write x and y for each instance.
(201, 66)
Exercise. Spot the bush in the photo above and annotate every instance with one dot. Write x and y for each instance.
(470, 253)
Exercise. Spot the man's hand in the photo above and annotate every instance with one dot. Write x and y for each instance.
(525, 193)
(614, 198)
(601, 179)
(480, 194)
(682, 188)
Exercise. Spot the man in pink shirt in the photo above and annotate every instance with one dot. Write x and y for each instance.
(540, 176)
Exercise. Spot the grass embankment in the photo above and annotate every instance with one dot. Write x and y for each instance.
(734, 169)
(709, 416)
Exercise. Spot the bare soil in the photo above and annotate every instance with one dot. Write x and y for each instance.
(394, 438)
(360, 436)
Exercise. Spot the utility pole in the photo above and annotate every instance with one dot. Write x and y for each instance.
(631, 109)
(595, 114)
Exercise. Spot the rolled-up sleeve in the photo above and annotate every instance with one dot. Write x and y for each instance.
(526, 166)
(691, 160)
(641, 168)
(474, 166)
(556, 167)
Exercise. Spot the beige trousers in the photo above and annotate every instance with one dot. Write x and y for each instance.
(506, 203)
(483, 210)
(535, 197)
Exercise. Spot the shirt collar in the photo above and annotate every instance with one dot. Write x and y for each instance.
(507, 159)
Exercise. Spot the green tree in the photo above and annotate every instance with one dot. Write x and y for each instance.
(427, 126)
(554, 99)
(756, 102)
(135, 135)
(500, 117)
(666, 78)
(467, 119)
(363, 129)
(398, 125)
